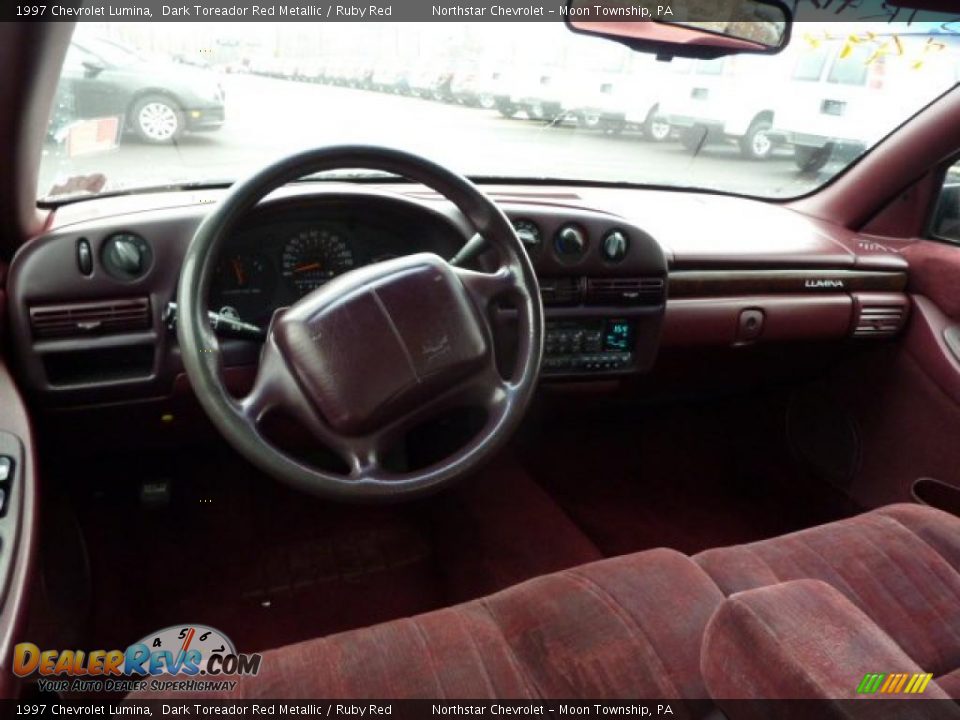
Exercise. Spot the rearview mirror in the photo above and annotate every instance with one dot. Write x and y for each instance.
(695, 28)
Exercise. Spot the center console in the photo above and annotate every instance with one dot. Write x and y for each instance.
(592, 345)
(603, 282)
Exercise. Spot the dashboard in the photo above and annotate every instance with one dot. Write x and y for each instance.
(624, 276)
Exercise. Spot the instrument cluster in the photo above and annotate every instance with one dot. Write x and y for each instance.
(275, 264)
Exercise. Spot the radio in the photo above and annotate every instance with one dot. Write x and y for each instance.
(588, 345)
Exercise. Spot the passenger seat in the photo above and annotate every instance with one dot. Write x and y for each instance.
(804, 640)
(900, 565)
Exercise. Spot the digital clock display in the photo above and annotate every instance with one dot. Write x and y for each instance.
(618, 336)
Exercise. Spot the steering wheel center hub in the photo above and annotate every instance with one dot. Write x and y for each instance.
(368, 347)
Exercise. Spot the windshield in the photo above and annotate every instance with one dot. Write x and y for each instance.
(110, 53)
(209, 103)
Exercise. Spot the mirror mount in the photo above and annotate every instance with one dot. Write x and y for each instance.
(766, 31)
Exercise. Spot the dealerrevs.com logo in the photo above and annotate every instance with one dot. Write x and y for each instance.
(187, 658)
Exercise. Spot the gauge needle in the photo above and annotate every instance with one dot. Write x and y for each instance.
(238, 271)
(307, 267)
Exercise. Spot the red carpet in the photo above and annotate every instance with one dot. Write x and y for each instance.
(684, 477)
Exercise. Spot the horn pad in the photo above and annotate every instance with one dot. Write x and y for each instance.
(369, 346)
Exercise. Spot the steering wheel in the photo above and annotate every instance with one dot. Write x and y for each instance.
(375, 352)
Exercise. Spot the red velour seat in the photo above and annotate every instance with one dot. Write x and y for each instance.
(804, 640)
(898, 564)
(627, 627)
(633, 626)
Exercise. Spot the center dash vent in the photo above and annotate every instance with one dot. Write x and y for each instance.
(560, 290)
(625, 291)
(880, 320)
(90, 318)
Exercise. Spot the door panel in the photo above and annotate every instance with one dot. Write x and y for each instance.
(17, 523)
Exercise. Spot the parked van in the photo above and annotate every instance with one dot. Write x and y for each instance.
(642, 90)
(725, 100)
(835, 106)
(540, 92)
(591, 95)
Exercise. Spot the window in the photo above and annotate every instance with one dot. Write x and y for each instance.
(810, 64)
(853, 68)
(946, 218)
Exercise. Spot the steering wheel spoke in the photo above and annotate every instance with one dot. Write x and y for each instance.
(484, 288)
(266, 394)
(364, 456)
(485, 390)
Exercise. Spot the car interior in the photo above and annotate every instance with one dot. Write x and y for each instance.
(414, 435)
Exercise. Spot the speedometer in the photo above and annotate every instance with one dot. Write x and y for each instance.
(314, 256)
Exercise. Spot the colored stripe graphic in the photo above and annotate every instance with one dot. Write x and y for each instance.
(870, 683)
(919, 683)
(894, 683)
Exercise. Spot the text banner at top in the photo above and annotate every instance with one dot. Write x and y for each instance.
(855, 11)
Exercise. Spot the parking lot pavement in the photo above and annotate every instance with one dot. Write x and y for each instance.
(267, 118)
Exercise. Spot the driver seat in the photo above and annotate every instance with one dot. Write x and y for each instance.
(633, 626)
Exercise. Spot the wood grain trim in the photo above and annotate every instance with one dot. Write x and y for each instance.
(719, 283)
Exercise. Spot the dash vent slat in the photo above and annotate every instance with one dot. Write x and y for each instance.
(90, 318)
(880, 320)
(560, 290)
(625, 291)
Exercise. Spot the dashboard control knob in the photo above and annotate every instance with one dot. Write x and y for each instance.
(614, 246)
(126, 256)
(570, 241)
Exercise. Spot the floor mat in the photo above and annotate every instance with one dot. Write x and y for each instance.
(237, 551)
(685, 477)
(500, 528)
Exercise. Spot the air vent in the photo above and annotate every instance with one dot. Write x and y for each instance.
(92, 318)
(625, 291)
(560, 290)
(880, 320)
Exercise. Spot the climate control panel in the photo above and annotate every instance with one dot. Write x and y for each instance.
(573, 346)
